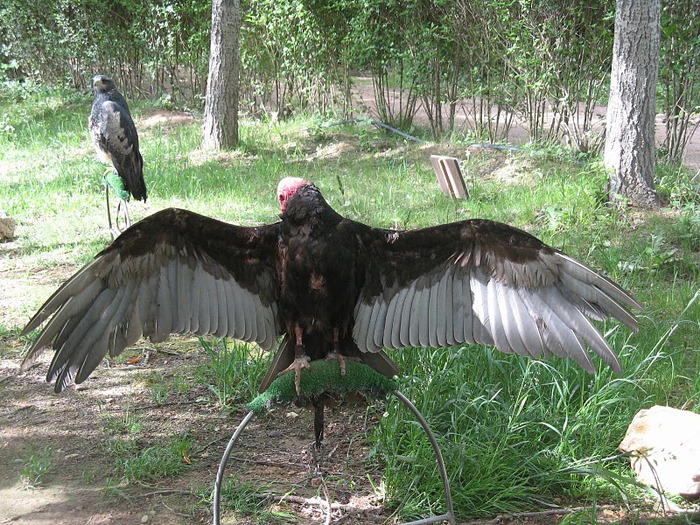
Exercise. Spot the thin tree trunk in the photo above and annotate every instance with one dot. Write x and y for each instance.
(629, 144)
(221, 105)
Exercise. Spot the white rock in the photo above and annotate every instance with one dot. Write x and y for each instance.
(7, 227)
(665, 446)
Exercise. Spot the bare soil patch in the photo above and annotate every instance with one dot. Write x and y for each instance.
(274, 453)
(165, 118)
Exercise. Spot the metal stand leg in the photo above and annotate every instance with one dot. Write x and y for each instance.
(448, 516)
(222, 465)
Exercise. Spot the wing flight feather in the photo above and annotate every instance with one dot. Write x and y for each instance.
(489, 283)
(173, 272)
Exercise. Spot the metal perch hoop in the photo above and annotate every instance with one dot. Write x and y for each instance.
(448, 516)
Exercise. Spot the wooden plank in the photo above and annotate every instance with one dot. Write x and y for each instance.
(449, 176)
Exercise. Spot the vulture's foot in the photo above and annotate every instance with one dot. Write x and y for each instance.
(300, 362)
(341, 360)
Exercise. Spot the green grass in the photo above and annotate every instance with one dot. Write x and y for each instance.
(243, 500)
(38, 465)
(161, 386)
(234, 371)
(135, 458)
(517, 434)
(125, 423)
(135, 462)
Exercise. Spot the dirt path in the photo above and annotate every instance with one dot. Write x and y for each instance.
(273, 453)
(518, 134)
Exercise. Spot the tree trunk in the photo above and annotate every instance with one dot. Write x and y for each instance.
(629, 143)
(221, 105)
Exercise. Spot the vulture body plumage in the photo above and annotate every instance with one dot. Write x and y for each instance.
(331, 286)
(116, 142)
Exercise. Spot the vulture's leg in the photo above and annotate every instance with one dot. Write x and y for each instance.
(319, 406)
(301, 360)
(335, 354)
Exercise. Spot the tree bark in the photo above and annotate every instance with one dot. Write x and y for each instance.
(629, 143)
(221, 105)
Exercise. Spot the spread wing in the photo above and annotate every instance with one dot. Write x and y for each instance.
(116, 141)
(173, 272)
(484, 282)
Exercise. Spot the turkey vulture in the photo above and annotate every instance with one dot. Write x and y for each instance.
(331, 286)
(117, 144)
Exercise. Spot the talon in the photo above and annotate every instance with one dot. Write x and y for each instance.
(301, 361)
(341, 361)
